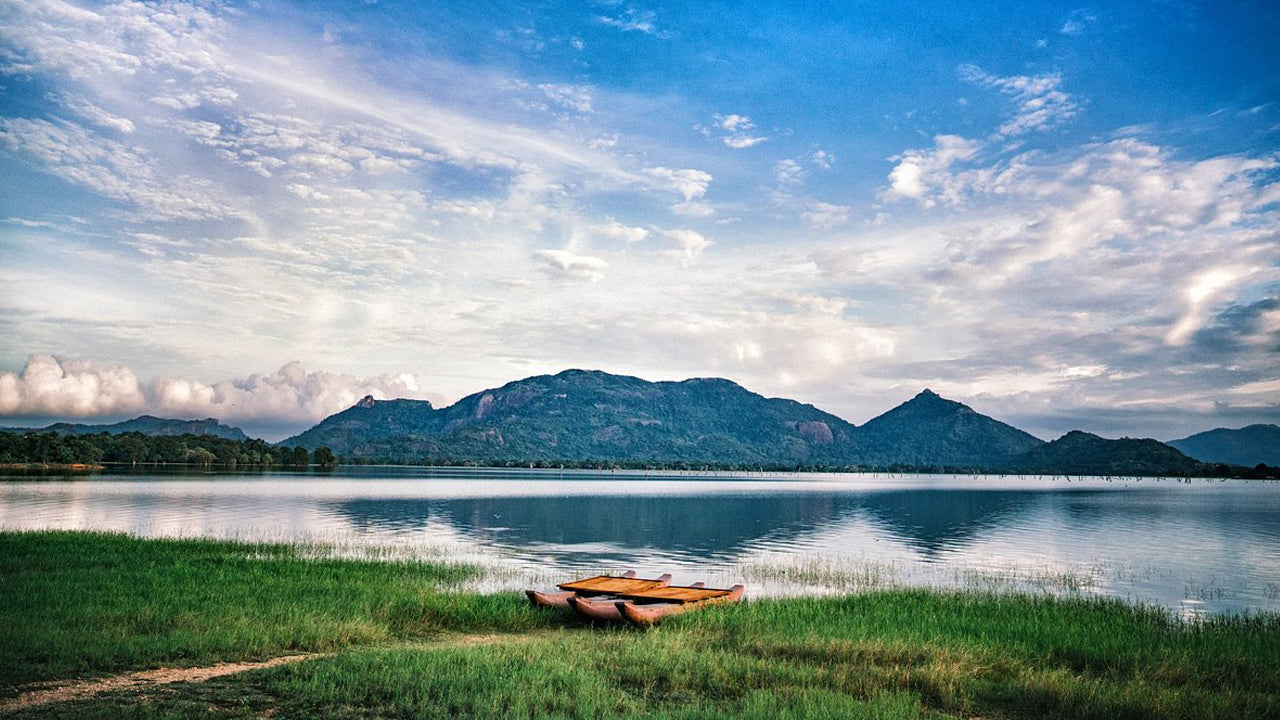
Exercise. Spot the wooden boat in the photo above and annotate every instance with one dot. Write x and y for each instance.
(600, 585)
(647, 607)
(604, 608)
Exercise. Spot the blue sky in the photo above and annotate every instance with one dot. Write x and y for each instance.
(261, 211)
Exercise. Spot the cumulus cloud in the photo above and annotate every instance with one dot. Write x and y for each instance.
(691, 243)
(737, 131)
(688, 182)
(51, 387)
(564, 264)
(54, 387)
(924, 175)
(1040, 104)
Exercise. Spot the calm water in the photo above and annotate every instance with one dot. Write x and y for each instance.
(1196, 547)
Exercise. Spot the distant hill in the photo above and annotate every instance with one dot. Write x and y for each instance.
(592, 416)
(929, 430)
(369, 421)
(1247, 446)
(583, 415)
(147, 425)
(1082, 453)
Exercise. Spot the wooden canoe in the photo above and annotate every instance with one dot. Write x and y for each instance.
(649, 606)
(604, 608)
(595, 586)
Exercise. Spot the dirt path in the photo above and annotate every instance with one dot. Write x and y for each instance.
(78, 690)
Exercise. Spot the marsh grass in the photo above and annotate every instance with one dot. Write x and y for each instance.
(415, 649)
(75, 604)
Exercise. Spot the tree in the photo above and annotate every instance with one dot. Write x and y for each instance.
(324, 457)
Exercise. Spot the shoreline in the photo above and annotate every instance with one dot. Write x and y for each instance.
(80, 605)
(74, 467)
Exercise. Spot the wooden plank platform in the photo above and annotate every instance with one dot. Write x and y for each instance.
(610, 585)
(674, 594)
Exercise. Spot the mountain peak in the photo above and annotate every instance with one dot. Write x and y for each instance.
(929, 429)
(366, 402)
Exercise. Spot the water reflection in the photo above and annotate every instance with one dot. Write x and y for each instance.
(936, 521)
(1202, 545)
(718, 527)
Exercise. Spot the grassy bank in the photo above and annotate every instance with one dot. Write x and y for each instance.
(403, 643)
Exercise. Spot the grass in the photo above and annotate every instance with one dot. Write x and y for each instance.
(405, 644)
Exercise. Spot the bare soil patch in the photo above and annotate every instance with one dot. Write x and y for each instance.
(81, 689)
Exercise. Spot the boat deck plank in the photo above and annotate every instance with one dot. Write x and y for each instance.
(610, 585)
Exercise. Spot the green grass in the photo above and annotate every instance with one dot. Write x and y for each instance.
(405, 645)
(80, 604)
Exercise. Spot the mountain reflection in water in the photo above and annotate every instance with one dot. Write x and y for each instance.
(720, 527)
(1191, 546)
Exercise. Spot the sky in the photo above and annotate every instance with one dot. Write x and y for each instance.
(1066, 217)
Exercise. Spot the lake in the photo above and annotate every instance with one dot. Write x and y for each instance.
(1196, 547)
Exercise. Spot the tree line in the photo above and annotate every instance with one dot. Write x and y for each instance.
(133, 448)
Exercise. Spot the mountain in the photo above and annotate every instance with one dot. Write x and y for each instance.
(1081, 453)
(1247, 446)
(581, 415)
(147, 425)
(369, 421)
(929, 430)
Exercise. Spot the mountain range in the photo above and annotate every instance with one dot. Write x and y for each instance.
(593, 417)
(147, 425)
(597, 417)
(1247, 446)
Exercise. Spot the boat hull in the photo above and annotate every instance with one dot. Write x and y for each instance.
(596, 609)
(646, 614)
(548, 599)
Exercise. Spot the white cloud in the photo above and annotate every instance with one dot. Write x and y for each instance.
(925, 175)
(689, 183)
(632, 20)
(823, 159)
(1041, 104)
(574, 97)
(825, 216)
(615, 230)
(738, 131)
(52, 387)
(603, 142)
(290, 394)
(788, 172)
(1076, 23)
(691, 244)
(564, 264)
(113, 169)
(96, 115)
(1201, 291)
(55, 387)
(693, 209)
